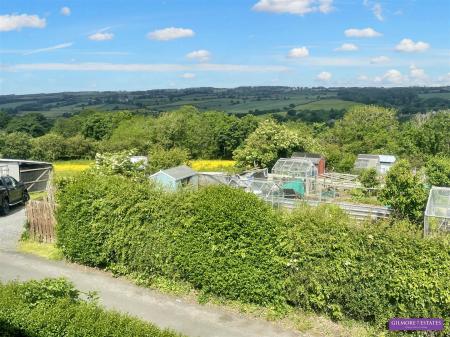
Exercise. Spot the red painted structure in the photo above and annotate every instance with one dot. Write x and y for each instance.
(317, 159)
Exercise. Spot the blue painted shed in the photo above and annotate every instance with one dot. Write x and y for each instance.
(176, 177)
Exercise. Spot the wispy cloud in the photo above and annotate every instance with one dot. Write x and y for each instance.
(376, 9)
(347, 47)
(120, 67)
(188, 76)
(102, 35)
(52, 48)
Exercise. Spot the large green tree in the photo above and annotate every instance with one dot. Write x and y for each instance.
(49, 147)
(4, 119)
(404, 192)
(269, 142)
(438, 171)
(133, 133)
(35, 124)
(16, 145)
(366, 129)
(426, 135)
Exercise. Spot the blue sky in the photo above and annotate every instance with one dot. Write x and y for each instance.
(72, 45)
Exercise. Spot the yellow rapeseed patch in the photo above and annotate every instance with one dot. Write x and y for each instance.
(70, 168)
(213, 165)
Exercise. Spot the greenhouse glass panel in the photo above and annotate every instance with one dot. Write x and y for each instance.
(437, 213)
(295, 168)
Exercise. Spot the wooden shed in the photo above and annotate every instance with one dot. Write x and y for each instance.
(34, 174)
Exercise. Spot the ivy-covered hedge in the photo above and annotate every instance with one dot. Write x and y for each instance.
(221, 240)
(229, 243)
(53, 308)
(370, 273)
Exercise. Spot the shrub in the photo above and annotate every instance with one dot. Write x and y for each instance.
(404, 192)
(438, 171)
(229, 246)
(161, 159)
(221, 240)
(53, 308)
(370, 273)
(369, 178)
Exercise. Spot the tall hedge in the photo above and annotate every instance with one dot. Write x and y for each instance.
(370, 273)
(53, 308)
(221, 240)
(229, 243)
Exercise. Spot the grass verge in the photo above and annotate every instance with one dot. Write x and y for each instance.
(45, 250)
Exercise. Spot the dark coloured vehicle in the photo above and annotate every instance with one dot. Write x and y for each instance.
(12, 192)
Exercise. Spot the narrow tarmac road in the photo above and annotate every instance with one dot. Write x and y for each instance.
(165, 311)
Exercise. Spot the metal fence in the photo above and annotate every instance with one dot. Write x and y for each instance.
(356, 211)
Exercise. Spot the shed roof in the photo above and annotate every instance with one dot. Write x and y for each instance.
(368, 156)
(314, 157)
(179, 172)
(23, 161)
(384, 158)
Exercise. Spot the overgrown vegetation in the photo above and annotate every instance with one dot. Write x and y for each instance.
(54, 308)
(370, 273)
(230, 244)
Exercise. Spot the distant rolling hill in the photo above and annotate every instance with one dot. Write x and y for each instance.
(242, 100)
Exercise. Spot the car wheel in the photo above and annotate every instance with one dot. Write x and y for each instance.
(25, 197)
(5, 207)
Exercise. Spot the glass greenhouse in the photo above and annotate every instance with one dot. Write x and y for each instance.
(265, 189)
(437, 213)
(295, 168)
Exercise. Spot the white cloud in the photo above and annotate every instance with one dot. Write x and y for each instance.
(58, 46)
(409, 46)
(170, 33)
(201, 55)
(101, 35)
(298, 52)
(378, 11)
(391, 76)
(65, 11)
(188, 76)
(299, 7)
(139, 67)
(324, 76)
(17, 22)
(417, 73)
(347, 47)
(380, 59)
(365, 32)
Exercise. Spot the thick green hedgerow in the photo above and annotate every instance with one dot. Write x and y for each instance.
(229, 246)
(229, 243)
(53, 308)
(370, 273)
(223, 241)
